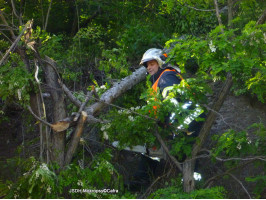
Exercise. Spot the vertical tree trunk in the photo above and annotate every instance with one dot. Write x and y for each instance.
(188, 178)
(230, 12)
(59, 112)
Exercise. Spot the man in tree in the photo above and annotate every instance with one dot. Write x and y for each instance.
(162, 77)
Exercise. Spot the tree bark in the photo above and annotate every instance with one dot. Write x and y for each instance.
(106, 98)
(118, 89)
(76, 138)
(47, 15)
(230, 12)
(59, 112)
(262, 18)
(212, 115)
(188, 178)
(189, 164)
(13, 46)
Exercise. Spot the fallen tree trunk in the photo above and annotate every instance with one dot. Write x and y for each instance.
(108, 97)
(118, 89)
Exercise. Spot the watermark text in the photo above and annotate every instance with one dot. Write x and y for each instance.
(111, 191)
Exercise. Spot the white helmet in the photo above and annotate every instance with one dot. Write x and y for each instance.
(153, 54)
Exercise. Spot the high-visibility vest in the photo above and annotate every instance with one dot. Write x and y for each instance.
(155, 85)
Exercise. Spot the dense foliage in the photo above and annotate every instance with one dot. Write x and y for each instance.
(100, 42)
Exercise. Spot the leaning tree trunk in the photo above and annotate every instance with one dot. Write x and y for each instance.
(189, 164)
(57, 145)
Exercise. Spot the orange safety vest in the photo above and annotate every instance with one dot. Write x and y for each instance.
(155, 86)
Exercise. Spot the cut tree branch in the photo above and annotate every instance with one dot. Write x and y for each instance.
(118, 89)
(76, 138)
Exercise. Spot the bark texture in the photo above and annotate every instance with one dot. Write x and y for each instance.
(106, 98)
(59, 112)
(118, 89)
(76, 138)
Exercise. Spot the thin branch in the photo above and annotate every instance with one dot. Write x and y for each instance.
(173, 159)
(237, 180)
(15, 12)
(43, 112)
(92, 120)
(6, 36)
(5, 22)
(210, 180)
(262, 18)
(126, 109)
(197, 9)
(218, 15)
(150, 187)
(234, 2)
(71, 97)
(81, 108)
(47, 16)
(20, 10)
(9, 27)
(87, 147)
(210, 109)
(41, 120)
(262, 158)
(13, 46)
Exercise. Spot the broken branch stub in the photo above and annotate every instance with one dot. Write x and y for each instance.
(60, 126)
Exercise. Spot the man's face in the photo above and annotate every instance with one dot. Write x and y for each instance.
(152, 67)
